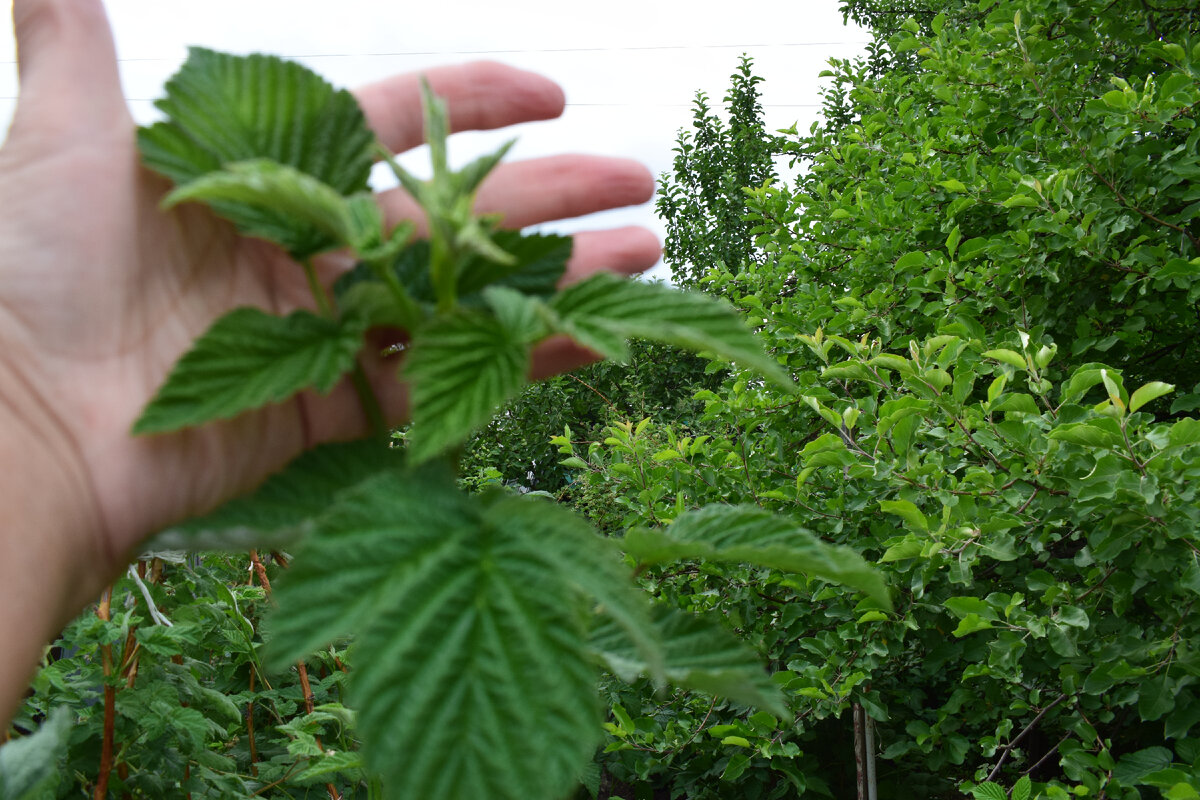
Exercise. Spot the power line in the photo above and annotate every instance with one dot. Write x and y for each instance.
(528, 50)
(568, 105)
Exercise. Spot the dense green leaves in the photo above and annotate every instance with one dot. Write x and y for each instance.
(983, 295)
(249, 358)
(224, 109)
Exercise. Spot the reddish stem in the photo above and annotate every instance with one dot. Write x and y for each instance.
(104, 612)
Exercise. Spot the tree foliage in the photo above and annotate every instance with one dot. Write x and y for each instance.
(986, 283)
(701, 199)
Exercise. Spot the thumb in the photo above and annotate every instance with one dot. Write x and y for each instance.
(67, 63)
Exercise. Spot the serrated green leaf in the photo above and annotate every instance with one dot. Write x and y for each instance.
(524, 317)
(329, 763)
(354, 222)
(249, 359)
(469, 177)
(223, 108)
(989, 791)
(1148, 392)
(473, 674)
(280, 511)
(750, 535)
(539, 263)
(461, 367)
(29, 768)
(604, 310)
(1022, 788)
(698, 654)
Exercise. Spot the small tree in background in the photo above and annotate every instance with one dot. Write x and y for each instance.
(702, 199)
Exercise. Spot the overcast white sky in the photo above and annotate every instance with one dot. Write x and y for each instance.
(630, 68)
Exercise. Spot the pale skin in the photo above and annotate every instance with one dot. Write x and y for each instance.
(101, 291)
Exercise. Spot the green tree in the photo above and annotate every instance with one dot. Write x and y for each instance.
(986, 282)
(702, 199)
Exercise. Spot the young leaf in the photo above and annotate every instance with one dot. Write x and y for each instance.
(250, 358)
(223, 108)
(461, 368)
(750, 535)
(539, 262)
(473, 674)
(1148, 392)
(284, 507)
(354, 222)
(604, 311)
(699, 655)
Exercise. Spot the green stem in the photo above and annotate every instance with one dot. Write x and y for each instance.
(441, 271)
(366, 395)
(369, 401)
(408, 307)
(324, 305)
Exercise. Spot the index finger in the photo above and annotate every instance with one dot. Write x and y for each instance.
(481, 95)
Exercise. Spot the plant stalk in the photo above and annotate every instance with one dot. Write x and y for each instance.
(104, 612)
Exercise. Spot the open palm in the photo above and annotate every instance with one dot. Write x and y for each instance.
(101, 291)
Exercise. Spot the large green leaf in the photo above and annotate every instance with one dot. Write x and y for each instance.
(474, 677)
(224, 108)
(280, 511)
(250, 358)
(355, 222)
(698, 653)
(604, 311)
(29, 766)
(461, 367)
(750, 535)
(539, 261)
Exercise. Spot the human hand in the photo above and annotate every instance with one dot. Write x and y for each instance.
(101, 291)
